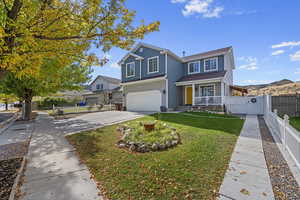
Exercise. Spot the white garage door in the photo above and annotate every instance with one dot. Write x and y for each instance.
(144, 101)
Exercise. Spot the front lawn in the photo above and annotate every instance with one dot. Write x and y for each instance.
(295, 122)
(192, 170)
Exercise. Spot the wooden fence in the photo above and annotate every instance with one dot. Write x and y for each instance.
(288, 104)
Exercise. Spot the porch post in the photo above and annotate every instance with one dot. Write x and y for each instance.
(222, 93)
(193, 86)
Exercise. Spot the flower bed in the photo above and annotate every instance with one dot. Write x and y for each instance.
(148, 136)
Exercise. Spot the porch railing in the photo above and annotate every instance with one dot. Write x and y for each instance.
(208, 100)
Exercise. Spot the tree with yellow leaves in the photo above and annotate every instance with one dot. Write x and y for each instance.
(64, 30)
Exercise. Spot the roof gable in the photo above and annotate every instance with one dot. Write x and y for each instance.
(208, 54)
(108, 79)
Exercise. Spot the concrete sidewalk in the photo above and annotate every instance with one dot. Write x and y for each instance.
(53, 171)
(247, 177)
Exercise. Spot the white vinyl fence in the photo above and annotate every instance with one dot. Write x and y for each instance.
(245, 105)
(289, 136)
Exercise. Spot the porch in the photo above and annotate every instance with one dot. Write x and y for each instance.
(203, 94)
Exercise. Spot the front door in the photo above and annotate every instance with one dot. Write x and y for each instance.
(189, 96)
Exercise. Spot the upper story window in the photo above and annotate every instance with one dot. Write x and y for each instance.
(194, 67)
(153, 65)
(130, 69)
(211, 64)
(99, 86)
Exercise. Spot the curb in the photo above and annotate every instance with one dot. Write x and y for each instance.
(6, 124)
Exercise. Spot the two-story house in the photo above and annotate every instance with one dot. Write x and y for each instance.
(101, 88)
(155, 79)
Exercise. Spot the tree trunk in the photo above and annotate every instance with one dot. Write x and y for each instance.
(27, 110)
(6, 105)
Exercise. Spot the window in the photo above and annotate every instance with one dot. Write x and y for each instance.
(207, 90)
(194, 67)
(99, 86)
(211, 64)
(153, 65)
(130, 69)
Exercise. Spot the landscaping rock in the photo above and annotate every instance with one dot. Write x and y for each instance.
(132, 147)
(155, 147)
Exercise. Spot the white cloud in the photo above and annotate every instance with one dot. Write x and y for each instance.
(204, 8)
(250, 63)
(178, 1)
(286, 44)
(295, 56)
(297, 71)
(256, 81)
(114, 65)
(275, 53)
(250, 66)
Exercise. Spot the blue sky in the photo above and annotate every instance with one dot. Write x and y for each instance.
(265, 34)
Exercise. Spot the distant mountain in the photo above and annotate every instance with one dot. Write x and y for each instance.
(281, 87)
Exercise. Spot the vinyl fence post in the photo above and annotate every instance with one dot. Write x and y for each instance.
(286, 122)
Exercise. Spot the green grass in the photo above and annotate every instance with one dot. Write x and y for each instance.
(192, 170)
(295, 122)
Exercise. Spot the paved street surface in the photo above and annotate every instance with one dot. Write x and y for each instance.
(247, 177)
(5, 116)
(53, 170)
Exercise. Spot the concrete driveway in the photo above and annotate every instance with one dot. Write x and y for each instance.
(98, 119)
(53, 170)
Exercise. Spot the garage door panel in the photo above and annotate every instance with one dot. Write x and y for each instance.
(144, 101)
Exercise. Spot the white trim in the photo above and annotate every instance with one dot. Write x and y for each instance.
(193, 94)
(130, 54)
(185, 93)
(133, 68)
(189, 67)
(199, 81)
(167, 81)
(217, 64)
(157, 57)
(140, 69)
(144, 81)
(207, 85)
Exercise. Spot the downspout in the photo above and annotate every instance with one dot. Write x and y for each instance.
(167, 81)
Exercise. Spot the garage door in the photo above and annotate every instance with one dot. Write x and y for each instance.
(144, 101)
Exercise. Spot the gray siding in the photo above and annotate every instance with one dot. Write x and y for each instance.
(175, 72)
(137, 69)
(141, 87)
(220, 65)
(146, 53)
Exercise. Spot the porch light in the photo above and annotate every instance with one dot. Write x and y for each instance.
(164, 91)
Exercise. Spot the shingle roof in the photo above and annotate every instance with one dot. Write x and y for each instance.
(207, 54)
(202, 76)
(107, 78)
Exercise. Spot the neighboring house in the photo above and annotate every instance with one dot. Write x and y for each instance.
(100, 90)
(155, 78)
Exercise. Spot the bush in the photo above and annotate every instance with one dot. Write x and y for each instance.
(48, 102)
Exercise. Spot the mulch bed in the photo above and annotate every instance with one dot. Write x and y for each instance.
(11, 156)
(285, 187)
(8, 173)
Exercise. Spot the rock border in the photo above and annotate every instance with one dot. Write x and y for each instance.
(142, 147)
